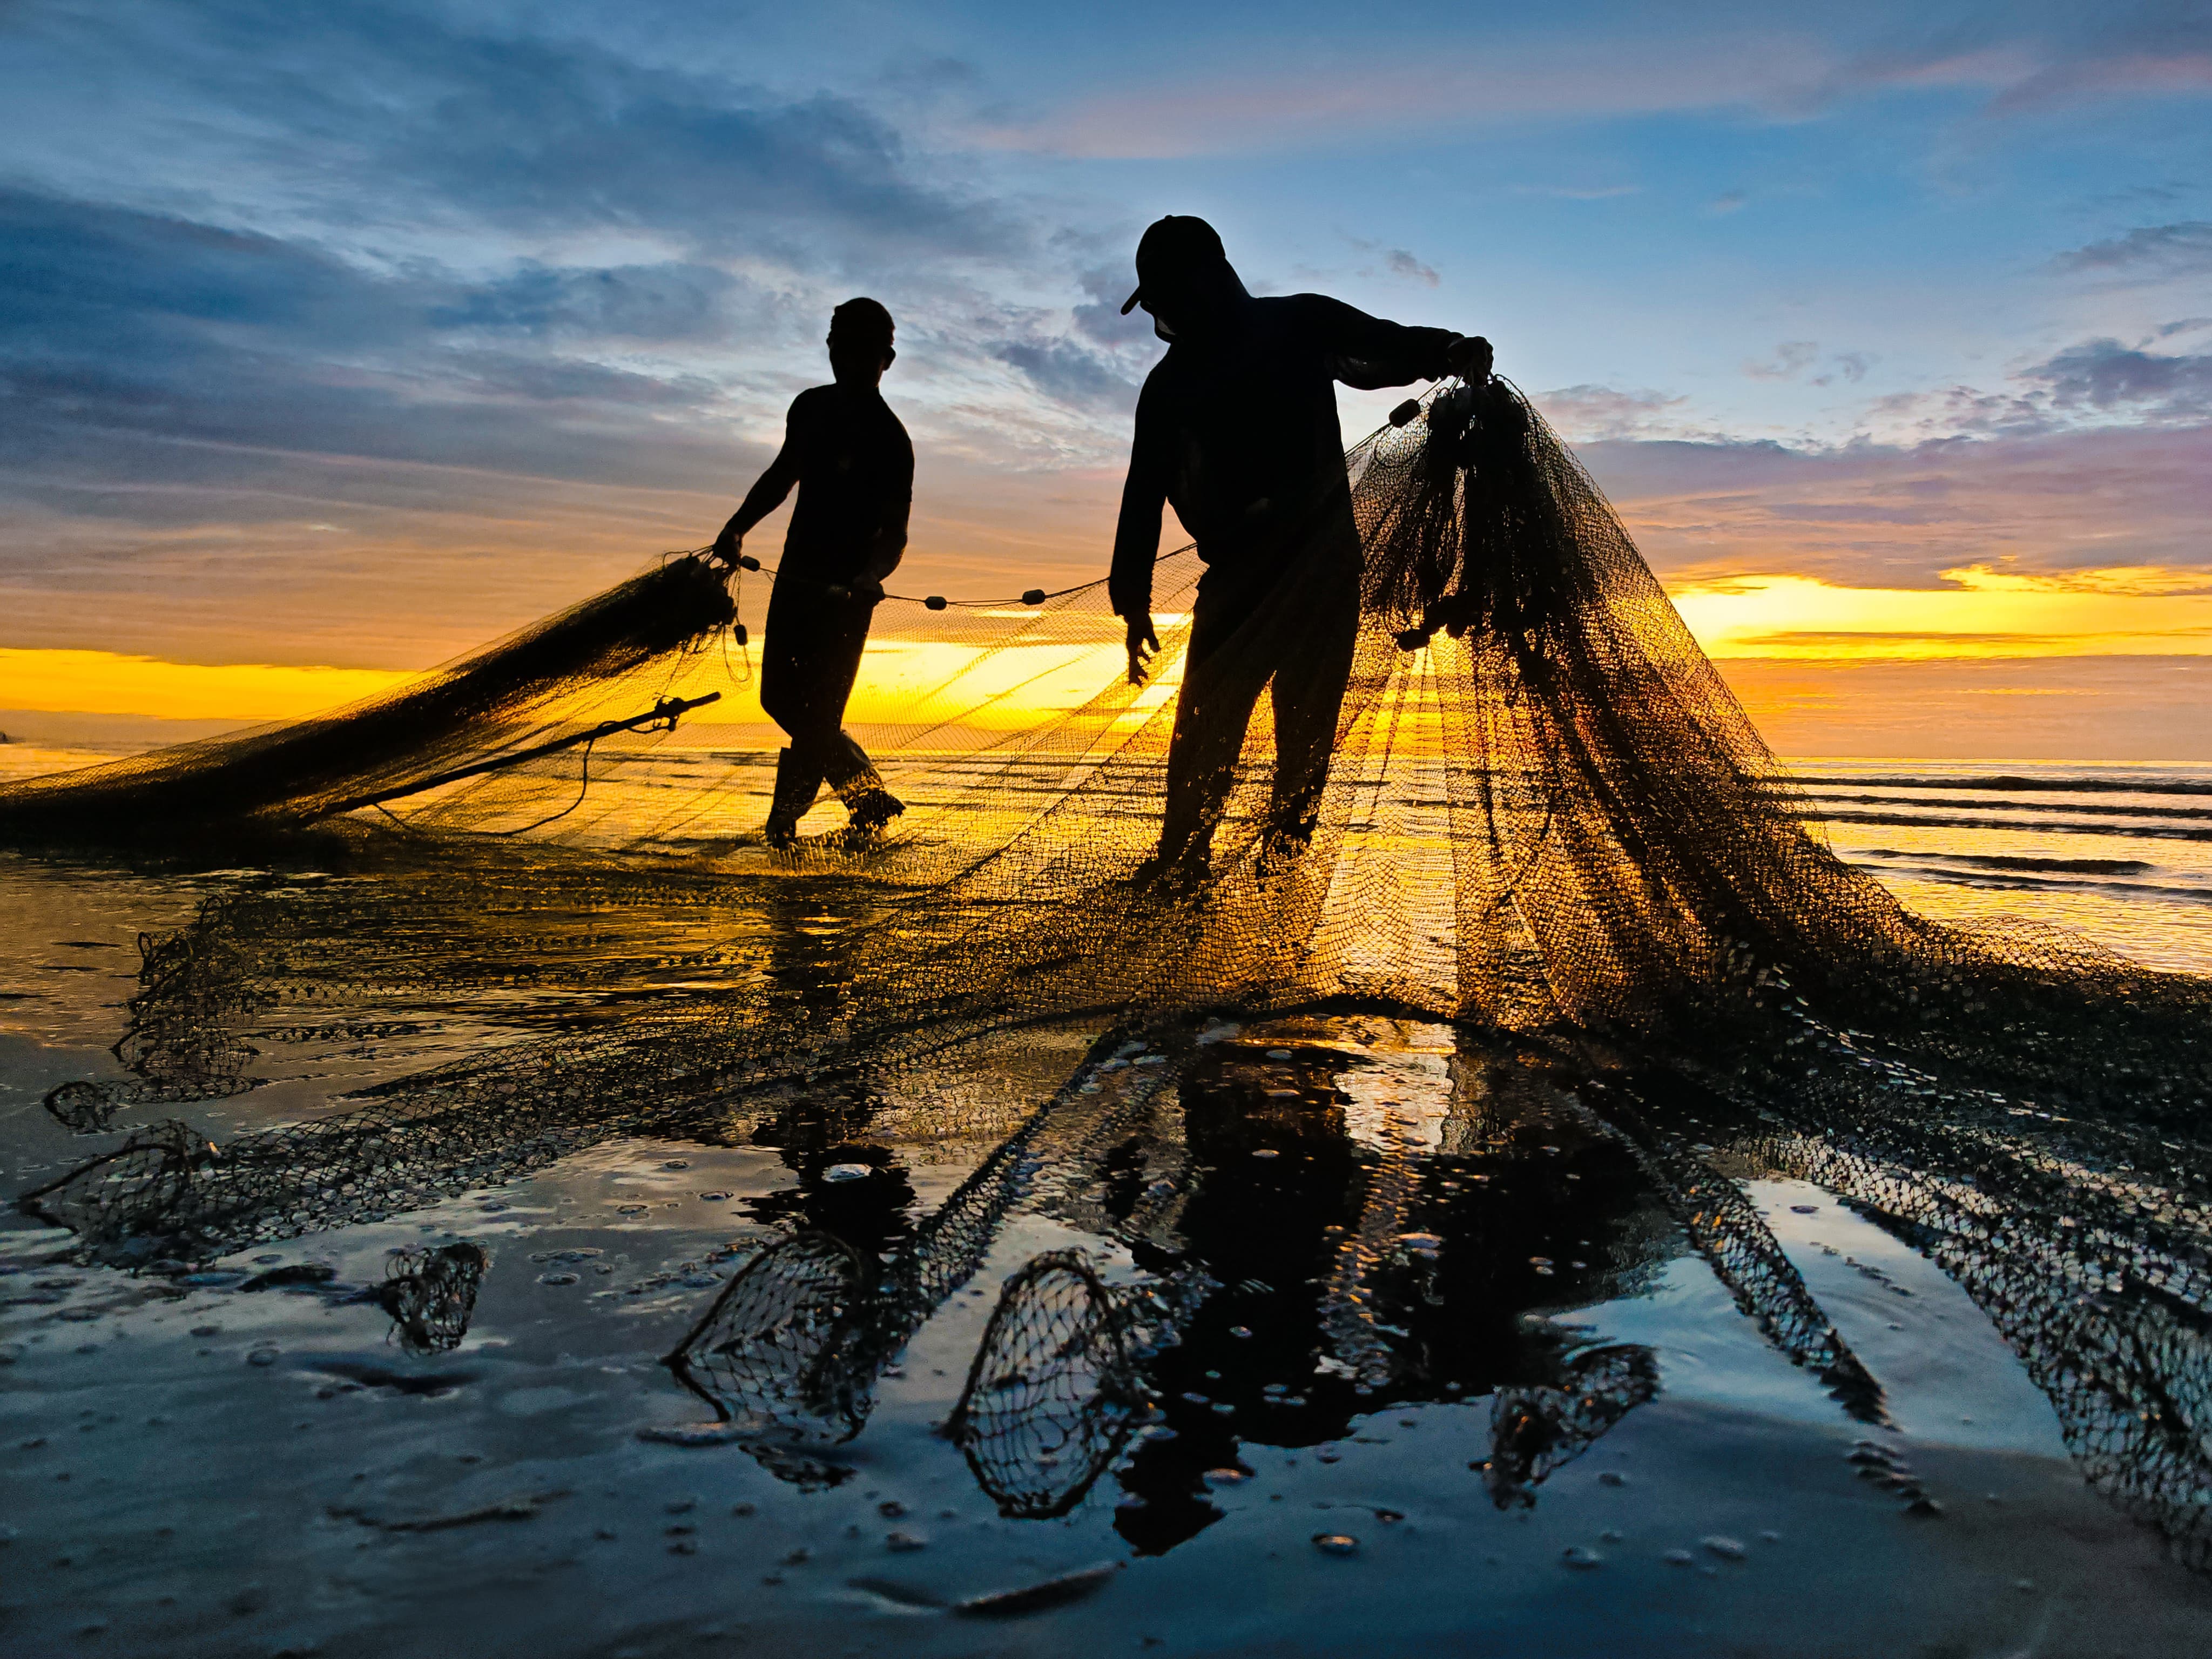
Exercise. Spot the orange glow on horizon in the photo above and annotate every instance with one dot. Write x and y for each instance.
(1987, 612)
(55, 681)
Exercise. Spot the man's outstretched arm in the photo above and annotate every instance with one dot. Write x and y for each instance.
(766, 496)
(1370, 352)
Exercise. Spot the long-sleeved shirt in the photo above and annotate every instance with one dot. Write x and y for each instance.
(1238, 432)
(853, 465)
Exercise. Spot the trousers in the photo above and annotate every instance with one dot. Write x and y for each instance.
(809, 660)
(1293, 641)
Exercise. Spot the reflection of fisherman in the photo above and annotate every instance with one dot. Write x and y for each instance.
(1237, 428)
(854, 465)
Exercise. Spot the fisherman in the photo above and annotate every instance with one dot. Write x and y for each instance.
(853, 465)
(1237, 427)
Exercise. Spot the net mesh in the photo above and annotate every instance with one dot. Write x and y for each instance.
(1545, 818)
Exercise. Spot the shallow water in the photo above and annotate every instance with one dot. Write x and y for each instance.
(1404, 1293)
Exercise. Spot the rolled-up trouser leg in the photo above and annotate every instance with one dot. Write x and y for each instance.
(798, 781)
(849, 769)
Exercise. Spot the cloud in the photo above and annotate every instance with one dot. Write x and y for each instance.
(1069, 372)
(1729, 201)
(1850, 366)
(1585, 412)
(114, 322)
(1875, 514)
(2018, 62)
(2152, 251)
(672, 301)
(2105, 375)
(1399, 263)
(378, 122)
(1100, 318)
(1791, 358)
(1240, 111)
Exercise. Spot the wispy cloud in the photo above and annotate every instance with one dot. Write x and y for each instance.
(1791, 359)
(1398, 262)
(1582, 413)
(2104, 375)
(2019, 66)
(2181, 249)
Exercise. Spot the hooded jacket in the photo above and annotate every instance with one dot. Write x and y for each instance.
(1237, 430)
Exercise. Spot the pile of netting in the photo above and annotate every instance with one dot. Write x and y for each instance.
(1545, 811)
(1546, 820)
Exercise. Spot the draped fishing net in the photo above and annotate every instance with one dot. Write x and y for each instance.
(499, 701)
(1545, 820)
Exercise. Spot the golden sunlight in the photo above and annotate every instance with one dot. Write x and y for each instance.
(108, 683)
(1987, 611)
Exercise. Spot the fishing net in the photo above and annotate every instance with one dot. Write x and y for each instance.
(431, 1294)
(1535, 1432)
(1545, 820)
(384, 747)
(1048, 1400)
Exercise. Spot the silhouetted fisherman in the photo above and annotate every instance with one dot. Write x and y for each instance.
(854, 465)
(1237, 427)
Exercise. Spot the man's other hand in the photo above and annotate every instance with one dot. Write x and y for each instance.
(727, 547)
(1470, 358)
(867, 589)
(1142, 643)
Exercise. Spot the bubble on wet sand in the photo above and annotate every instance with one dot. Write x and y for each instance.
(1728, 1549)
(847, 1172)
(1581, 1556)
(1336, 1543)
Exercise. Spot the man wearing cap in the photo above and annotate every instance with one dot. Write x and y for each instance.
(853, 465)
(1237, 429)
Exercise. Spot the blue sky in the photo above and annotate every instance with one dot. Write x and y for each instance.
(352, 333)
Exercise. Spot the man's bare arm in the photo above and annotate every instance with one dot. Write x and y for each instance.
(1136, 544)
(766, 496)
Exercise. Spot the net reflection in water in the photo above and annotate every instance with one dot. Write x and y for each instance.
(1048, 1400)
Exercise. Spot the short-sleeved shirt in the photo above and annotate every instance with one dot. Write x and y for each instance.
(855, 467)
(1239, 432)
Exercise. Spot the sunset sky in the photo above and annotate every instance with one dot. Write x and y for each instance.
(337, 338)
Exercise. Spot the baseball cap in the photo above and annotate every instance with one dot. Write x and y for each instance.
(1176, 243)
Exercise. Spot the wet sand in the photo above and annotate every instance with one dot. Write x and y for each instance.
(253, 1455)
